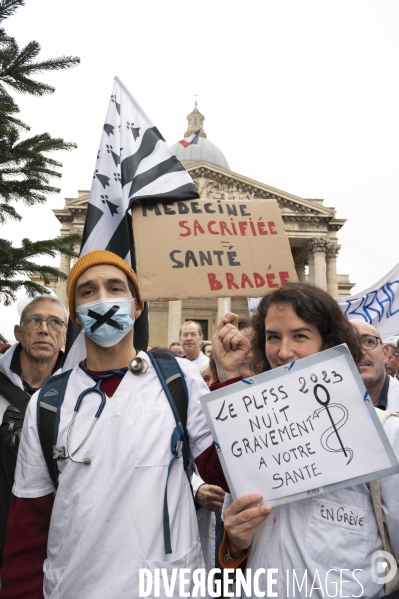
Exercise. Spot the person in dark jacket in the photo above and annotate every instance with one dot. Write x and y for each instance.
(23, 370)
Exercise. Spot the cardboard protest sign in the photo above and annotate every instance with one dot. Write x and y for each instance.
(299, 430)
(205, 249)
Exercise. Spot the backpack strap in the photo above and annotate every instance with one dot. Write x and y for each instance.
(16, 396)
(49, 405)
(174, 385)
(170, 373)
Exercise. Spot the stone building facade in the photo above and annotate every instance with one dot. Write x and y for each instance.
(311, 228)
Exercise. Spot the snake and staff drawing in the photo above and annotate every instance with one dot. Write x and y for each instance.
(331, 434)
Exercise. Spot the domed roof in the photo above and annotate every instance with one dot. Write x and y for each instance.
(203, 149)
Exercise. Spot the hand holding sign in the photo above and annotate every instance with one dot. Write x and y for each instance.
(210, 497)
(230, 348)
(242, 521)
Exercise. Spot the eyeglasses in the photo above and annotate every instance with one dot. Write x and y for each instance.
(185, 335)
(34, 322)
(369, 341)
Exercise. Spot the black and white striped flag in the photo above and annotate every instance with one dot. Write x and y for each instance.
(133, 162)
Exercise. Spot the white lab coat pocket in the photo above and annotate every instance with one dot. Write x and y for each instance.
(172, 579)
(154, 430)
(52, 578)
(337, 529)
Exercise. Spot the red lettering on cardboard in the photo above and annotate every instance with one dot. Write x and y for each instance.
(242, 225)
(184, 226)
(259, 281)
(214, 283)
(248, 280)
(212, 222)
(245, 280)
(270, 280)
(230, 281)
(198, 228)
(261, 228)
(224, 229)
(284, 277)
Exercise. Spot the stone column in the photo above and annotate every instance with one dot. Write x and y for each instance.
(222, 307)
(174, 320)
(65, 264)
(332, 279)
(310, 263)
(319, 258)
(65, 267)
(300, 269)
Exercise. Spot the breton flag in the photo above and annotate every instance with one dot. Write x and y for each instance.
(191, 139)
(133, 162)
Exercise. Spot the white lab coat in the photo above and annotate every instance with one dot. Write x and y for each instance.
(107, 517)
(5, 362)
(393, 394)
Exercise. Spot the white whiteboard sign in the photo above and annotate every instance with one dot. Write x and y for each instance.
(301, 429)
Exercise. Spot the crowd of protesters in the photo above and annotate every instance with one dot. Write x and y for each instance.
(123, 499)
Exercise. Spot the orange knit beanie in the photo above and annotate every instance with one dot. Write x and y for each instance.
(95, 258)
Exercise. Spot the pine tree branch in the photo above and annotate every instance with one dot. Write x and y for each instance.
(18, 123)
(18, 66)
(25, 165)
(7, 211)
(8, 8)
(17, 262)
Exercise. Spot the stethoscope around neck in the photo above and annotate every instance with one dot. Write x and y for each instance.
(97, 388)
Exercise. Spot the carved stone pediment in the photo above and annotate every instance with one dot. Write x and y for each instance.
(80, 201)
(215, 182)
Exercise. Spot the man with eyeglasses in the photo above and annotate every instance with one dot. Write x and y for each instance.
(23, 370)
(190, 337)
(383, 389)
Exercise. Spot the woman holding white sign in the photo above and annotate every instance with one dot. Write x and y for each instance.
(319, 546)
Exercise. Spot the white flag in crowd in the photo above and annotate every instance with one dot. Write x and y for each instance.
(378, 305)
(133, 162)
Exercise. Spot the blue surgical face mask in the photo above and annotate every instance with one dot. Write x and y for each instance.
(106, 321)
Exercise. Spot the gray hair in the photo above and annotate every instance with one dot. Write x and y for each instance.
(47, 298)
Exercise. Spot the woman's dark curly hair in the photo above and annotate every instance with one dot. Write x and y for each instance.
(314, 306)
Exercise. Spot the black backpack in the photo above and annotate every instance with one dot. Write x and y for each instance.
(10, 434)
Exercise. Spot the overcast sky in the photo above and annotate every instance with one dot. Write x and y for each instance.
(300, 95)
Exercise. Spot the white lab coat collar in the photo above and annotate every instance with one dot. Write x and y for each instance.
(5, 367)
